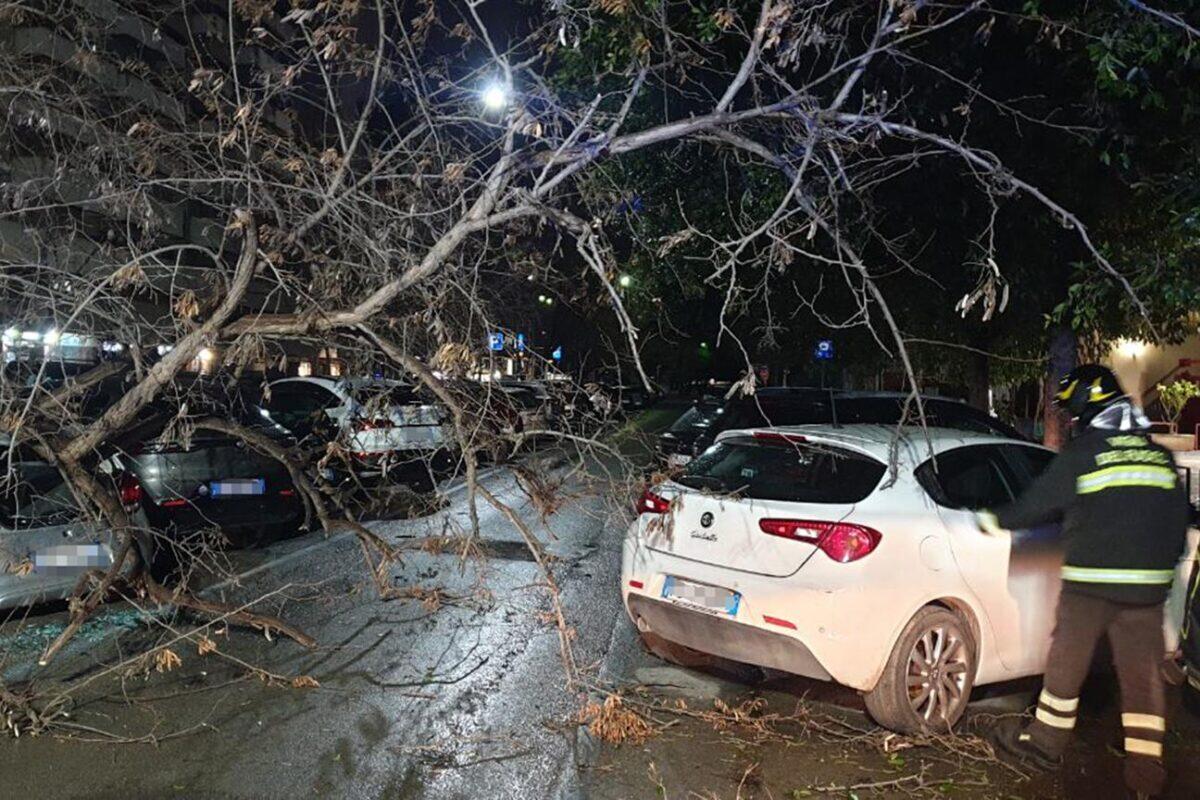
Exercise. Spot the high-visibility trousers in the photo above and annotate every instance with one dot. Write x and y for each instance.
(1136, 638)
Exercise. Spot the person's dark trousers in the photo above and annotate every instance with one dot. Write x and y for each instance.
(1136, 638)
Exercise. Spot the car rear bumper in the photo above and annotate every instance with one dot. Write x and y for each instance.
(724, 637)
(813, 628)
(232, 514)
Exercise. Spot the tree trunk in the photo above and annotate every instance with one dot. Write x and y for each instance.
(978, 380)
(1062, 359)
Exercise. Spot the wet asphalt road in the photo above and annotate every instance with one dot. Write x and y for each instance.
(465, 700)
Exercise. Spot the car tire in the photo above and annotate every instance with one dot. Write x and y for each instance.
(929, 675)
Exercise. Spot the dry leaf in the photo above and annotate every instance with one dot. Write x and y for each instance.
(129, 275)
(615, 7)
(187, 306)
(21, 569)
(612, 722)
(305, 682)
(166, 660)
(206, 646)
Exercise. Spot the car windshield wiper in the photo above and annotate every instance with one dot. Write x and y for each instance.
(701, 482)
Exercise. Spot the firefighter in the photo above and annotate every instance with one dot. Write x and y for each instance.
(1124, 519)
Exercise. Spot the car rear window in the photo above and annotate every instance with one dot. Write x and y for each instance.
(784, 470)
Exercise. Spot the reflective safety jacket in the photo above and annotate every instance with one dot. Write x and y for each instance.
(1123, 509)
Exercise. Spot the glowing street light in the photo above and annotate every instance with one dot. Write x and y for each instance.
(495, 97)
(625, 281)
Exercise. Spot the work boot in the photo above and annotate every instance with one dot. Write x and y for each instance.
(1013, 744)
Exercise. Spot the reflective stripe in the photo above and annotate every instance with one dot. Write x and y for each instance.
(988, 523)
(1045, 717)
(1112, 477)
(1104, 575)
(1148, 721)
(1058, 703)
(1143, 747)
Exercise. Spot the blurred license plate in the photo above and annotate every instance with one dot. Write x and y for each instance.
(712, 599)
(71, 558)
(242, 487)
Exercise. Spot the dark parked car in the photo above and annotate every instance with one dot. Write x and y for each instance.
(192, 480)
(774, 406)
(675, 444)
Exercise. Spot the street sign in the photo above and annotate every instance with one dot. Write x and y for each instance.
(496, 342)
(557, 354)
(520, 342)
(824, 351)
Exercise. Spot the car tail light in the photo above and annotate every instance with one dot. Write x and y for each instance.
(287, 492)
(130, 489)
(799, 529)
(842, 541)
(174, 502)
(650, 503)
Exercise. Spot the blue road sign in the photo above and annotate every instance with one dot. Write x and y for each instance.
(557, 354)
(824, 351)
(496, 342)
(521, 342)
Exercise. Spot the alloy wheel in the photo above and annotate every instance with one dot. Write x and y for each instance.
(937, 674)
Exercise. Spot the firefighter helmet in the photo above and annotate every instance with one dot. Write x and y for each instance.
(1087, 389)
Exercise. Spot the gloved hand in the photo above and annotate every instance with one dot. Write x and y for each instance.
(987, 522)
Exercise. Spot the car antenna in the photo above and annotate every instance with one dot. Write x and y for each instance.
(833, 409)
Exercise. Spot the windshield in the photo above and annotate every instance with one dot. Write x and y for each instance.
(695, 417)
(784, 470)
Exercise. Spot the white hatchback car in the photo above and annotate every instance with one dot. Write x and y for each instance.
(796, 549)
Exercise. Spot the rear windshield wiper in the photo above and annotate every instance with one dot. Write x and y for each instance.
(701, 482)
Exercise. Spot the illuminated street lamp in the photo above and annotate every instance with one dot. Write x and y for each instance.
(625, 281)
(495, 96)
